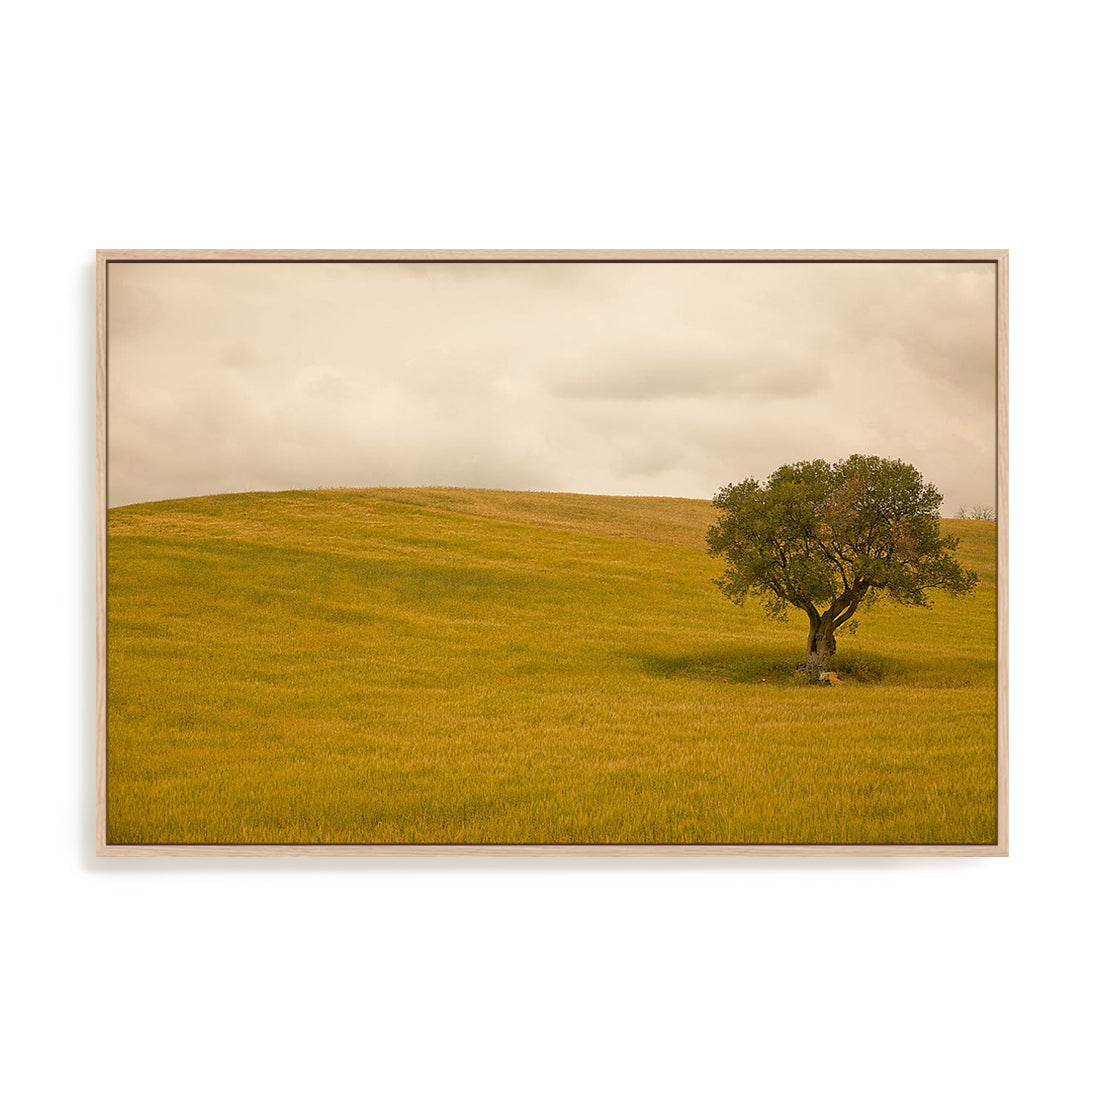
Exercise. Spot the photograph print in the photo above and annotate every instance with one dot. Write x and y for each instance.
(591, 551)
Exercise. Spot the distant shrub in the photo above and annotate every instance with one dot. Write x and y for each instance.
(978, 513)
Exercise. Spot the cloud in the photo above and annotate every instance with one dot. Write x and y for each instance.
(666, 379)
(681, 369)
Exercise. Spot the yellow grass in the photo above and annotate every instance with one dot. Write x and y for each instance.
(447, 665)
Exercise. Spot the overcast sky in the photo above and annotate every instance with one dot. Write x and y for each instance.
(622, 379)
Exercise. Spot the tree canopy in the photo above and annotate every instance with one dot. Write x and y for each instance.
(823, 538)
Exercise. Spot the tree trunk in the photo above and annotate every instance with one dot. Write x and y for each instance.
(820, 646)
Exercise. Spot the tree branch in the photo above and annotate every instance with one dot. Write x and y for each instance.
(850, 610)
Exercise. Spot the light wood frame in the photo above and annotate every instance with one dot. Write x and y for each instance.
(1000, 258)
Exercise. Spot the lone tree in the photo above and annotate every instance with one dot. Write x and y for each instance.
(825, 537)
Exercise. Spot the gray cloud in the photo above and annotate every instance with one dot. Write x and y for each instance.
(647, 379)
(683, 370)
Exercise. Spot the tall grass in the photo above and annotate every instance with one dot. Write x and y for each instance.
(444, 665)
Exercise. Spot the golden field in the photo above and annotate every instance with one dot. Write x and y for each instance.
(456, 666)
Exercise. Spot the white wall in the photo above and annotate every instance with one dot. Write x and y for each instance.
(554, 125)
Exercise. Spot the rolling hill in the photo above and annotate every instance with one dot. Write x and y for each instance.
(436, 665)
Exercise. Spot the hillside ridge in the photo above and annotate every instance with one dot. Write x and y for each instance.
(668, 520)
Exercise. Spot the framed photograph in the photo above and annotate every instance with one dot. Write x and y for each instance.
(538, 552)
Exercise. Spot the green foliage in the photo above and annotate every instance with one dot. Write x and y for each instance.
(827, 536)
